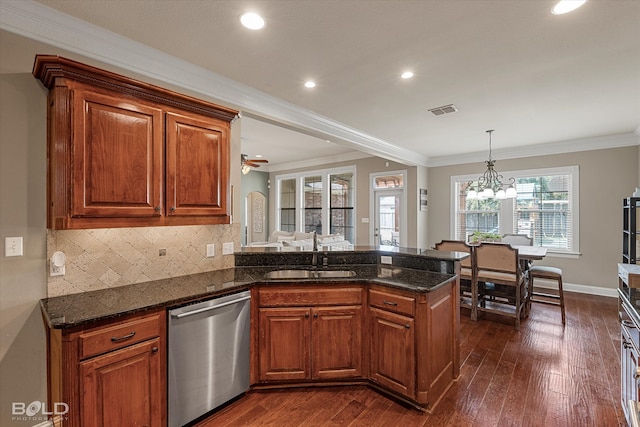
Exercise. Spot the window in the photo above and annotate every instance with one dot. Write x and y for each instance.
(322, 201)
(341, 219)
(313, 204)
(545, 209)
(288, 205)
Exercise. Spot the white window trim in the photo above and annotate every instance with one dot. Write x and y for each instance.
(372, 207)
(326, 197)
(573, 171)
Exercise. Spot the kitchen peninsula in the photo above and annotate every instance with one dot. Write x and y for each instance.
(393, 313)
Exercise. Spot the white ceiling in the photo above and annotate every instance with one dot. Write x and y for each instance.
(508, 65)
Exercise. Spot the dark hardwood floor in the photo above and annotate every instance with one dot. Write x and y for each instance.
(543, 375)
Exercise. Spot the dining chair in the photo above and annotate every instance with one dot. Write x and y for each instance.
(517, 239)
(466, 269)
(499, 281)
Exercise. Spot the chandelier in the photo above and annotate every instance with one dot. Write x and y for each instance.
(490, 184)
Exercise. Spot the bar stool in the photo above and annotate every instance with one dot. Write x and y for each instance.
(549, 273)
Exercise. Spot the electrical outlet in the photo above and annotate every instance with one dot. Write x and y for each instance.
(211, 250)
(227, 248)
(386, 259)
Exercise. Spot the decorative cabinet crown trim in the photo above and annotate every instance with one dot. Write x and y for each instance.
(49, 68)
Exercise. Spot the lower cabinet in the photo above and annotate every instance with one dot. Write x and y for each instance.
(393, 356)
(110, 375)
(402, 342)
(310, 342)
(629, 362)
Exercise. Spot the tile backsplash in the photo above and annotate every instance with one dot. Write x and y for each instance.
(110, 257)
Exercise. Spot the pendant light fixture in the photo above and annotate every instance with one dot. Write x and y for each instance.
(490, 183)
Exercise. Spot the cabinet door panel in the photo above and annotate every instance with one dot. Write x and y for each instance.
(197, 165)
(123, 387)
(284, 344)
(117, 168)
(337, 342)
(392, 351)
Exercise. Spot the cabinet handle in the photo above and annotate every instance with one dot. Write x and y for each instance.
(123, 338)
(391, 303)
(629, 324)
(154, 349)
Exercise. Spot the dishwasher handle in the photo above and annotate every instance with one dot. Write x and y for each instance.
(212, 307)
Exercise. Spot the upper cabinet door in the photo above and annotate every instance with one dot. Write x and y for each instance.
(117, 150)
(197, 165)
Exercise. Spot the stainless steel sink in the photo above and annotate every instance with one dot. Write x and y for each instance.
(335, 273)
(289, 274)
(308, 274)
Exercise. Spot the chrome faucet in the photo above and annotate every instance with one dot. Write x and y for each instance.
(314, 258)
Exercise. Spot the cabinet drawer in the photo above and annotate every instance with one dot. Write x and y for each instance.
(309, 296)
(119, 335)
(392, 302)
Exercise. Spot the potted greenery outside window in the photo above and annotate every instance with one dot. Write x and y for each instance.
(479, 236)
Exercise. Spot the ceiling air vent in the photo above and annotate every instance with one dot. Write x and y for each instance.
(445, 109)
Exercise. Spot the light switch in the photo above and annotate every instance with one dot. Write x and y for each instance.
(13, 246)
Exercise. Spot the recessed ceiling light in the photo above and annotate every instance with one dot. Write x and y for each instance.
(309, 84)
(258, 155)
(566, 6)
(406, 75)
(252, 21)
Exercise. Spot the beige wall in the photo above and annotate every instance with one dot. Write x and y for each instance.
(416, 178)
(606, 177)
(23, 280)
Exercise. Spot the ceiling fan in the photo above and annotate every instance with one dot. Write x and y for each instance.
(248, 163)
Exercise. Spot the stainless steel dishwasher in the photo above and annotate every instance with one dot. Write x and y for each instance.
(208, 355)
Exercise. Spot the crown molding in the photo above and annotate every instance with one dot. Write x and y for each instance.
(318, 161)
(568, 146)
(42, 23)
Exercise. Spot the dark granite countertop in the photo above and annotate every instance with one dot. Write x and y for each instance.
(84, 308)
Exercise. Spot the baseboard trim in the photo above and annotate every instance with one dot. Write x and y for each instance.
(581, 289)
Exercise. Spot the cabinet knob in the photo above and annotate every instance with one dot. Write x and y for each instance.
(157, 208)
(306, 315)
(172, 209)
(407, 326)
(154, 349)
(315, 316)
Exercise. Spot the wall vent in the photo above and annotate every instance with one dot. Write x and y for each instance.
(445, 109)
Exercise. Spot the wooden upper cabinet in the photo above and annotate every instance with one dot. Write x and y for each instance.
(123, 153)
(118, 147)
(197, 166)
